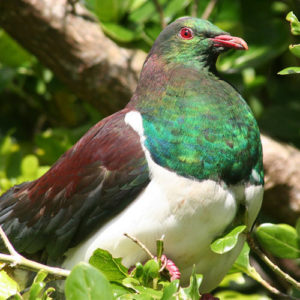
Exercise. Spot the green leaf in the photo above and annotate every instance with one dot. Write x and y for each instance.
(8, 286)
(170, 290)
(298, 227)
(119, 290)
(120, 33)
(111, 267)
(86, 282)
(228, 242)
(146, 292)
(109, 10)
(231, 295)
(295, 24)
(160, 248)
(38, 285)
(47, 294)
(143, 13)
(295, 49)
(7, 74)
(279, 239)
(236, 277)
(173, 7)
(289, 70)
(139, 270)
(151, 270)
(11, 53)
(29, 167)
(192, 291)
(242, 263)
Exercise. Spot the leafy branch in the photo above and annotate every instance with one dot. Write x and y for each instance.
(271, 265)
(295, 49)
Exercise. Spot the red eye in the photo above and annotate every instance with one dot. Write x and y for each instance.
(186, 33)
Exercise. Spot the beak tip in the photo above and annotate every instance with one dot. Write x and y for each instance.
(229, 41)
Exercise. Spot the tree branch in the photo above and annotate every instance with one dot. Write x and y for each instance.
(20, 261)
(74, 47)
(271, 265)
(96, 69)
(282, 180)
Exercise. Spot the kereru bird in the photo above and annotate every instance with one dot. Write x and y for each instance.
(182, 159)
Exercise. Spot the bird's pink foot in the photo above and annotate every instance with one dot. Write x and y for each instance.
(208, 297)
(170, 266)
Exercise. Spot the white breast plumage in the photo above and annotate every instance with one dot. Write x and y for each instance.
(190, 214)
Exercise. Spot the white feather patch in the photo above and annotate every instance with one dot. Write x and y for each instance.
(190, 213)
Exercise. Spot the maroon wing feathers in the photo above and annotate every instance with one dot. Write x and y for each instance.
(103, 172)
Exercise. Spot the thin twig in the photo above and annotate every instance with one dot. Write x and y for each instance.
(140, 244)
(271, 265)
(161, 13)
(209, 8)
(194, 11)
(31, 265)
(269, 287)
(22, 262)
(8, 244)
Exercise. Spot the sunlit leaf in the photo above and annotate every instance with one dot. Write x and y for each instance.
(111, 267)
(279, 239)
(29, 166)
(146, 292)
(87, 282)
(8, 286)
(192, 291)
(295, 24)
(228, 242)
(38, 285)
(119, 290)
(151, 269)
(290, 70)
(170, 290)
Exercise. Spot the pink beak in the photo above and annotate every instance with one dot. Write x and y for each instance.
(229, 41)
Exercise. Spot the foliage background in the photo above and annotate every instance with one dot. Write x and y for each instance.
(40, 118)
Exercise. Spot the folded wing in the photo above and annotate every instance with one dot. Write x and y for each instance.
(91, 183)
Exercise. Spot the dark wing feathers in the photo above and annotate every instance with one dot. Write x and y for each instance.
(100, 175)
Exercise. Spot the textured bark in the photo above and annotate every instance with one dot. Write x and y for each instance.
(282, 179)
(74, 47)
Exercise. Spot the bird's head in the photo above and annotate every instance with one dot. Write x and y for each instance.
(192, 40)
